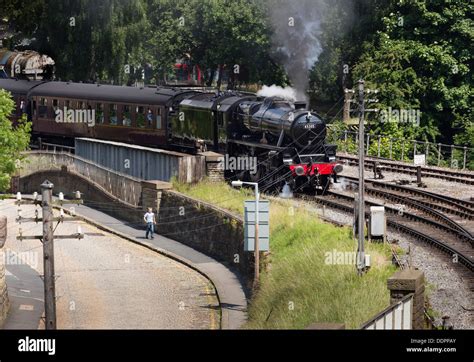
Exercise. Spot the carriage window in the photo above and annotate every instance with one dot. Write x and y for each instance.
(99, 113)
(55, 106)
(149, 118)
(113, 114)
(220, 119)
(21, 107)
(43, 108)
(126, 118)
(158, 118)
(140, 112)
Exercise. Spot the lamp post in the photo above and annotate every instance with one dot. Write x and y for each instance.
(257, 219)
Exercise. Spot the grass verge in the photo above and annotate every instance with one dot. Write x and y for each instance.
(311, 277)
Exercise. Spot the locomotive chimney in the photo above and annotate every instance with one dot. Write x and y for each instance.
(300, 105)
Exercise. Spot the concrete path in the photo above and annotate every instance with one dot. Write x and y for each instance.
(229, 289)
(103, 281)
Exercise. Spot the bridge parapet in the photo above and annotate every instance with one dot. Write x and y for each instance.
(126, 188)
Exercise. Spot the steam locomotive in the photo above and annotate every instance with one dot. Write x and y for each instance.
(286, 141)
(26, 65)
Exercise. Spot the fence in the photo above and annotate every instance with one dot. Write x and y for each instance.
(126, 188)
(399, 149)
(397, 316)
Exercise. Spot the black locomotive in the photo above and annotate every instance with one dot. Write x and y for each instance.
(284, 139)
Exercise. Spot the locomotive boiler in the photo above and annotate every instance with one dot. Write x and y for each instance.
(285, 140)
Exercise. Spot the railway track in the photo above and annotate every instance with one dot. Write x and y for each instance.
(425, 227)
(450, 211)
(459, 176)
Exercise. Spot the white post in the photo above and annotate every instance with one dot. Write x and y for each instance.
(257, 251)
(361, 225)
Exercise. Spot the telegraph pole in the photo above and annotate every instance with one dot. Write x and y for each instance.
(47, 238)
(48, 254)
(360, 248)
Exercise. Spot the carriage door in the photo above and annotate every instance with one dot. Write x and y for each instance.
(220, 131)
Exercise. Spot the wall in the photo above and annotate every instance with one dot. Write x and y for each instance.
(92, 194)
(4, 302)
(142, 162)
(208, 229)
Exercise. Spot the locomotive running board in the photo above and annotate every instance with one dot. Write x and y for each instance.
(259, 145)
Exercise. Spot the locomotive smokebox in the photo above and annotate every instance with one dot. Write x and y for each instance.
(301, 105)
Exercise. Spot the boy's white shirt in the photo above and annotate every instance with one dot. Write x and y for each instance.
(152, 215)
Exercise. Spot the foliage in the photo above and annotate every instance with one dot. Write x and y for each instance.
(215, 35)
(117, 40)
(417, 53)
(13, 140)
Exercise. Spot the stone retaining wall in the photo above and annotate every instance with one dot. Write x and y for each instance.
(205, 227)
(208, 229)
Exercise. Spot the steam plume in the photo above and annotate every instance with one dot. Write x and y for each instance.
(297, 28)
(288, 93)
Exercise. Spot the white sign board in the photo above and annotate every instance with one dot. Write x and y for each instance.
(263, 222)
(419, 160)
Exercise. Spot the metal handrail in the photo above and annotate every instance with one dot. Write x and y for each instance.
(122, 186)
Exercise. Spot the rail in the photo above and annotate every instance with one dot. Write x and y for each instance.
(401, 149)
(44, 146)
(126, 188)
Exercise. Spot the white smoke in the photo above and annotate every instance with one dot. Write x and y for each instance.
(297, 29)
(342, 184)
(287, 93)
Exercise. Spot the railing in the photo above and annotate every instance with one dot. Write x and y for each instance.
(124, 187)
(397, 316)
(400, 149)
(44, 146)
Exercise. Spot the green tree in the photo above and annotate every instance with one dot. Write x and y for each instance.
(347, 24)
(13, 140)
(89, 40)
(422, 59)
(217, 35)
